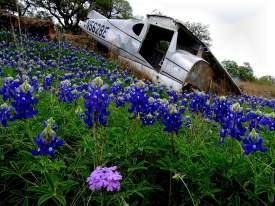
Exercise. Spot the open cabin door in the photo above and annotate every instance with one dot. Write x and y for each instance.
(155, 45)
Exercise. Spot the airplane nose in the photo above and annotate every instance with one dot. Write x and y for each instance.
(81, 24)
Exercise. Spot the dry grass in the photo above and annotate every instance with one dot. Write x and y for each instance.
(127, 65)
(82, 40)
(257, 89)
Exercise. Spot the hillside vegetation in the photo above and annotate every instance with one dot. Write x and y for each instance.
(77, 129)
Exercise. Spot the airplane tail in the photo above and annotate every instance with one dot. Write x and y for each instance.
(95, 15)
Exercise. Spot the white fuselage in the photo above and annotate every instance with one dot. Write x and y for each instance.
(119, 36)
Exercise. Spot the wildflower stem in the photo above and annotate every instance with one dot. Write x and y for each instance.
(170, 189)
(187, 190)
(26, 180)
(173, 142)
(102, 199)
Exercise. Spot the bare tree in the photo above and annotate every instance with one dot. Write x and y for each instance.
(200, 30)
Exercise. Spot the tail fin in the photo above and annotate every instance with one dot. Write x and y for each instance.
(95, 15)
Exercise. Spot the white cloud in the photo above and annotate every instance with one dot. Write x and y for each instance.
(241, 30)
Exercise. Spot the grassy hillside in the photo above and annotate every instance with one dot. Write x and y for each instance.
(169, 148)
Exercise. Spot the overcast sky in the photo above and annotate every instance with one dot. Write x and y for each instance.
(242, 30)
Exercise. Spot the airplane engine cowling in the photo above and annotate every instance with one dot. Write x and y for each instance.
(200, 76)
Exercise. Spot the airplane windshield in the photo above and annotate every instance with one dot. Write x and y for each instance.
(155, 45)
(186, 42)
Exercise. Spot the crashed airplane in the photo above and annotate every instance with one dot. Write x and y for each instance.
(163, 49)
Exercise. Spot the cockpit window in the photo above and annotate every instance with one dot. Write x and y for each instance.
(137, 28)
(187, 42)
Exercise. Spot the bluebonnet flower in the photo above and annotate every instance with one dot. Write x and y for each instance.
(200, 104)
(8, 90)
(232, 123)
(173, 96)
(172, 118)
(184, 102)
(254, 102)
(48, 81)
(138, 98)
(105, 178)
(116, 87)
(67, 92)
(34, 83)
(117, 93)
(220, 108)
(96, 101)
(150, 113)
(47, 140)
(268, 121)
(162, 109)
(24, 101)
(253, 142)
(66, 76)
(241, 100)
(6, 114)
(254, 118)
(187, 121)
(237, 115)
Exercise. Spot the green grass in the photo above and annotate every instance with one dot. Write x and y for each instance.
(214, 174)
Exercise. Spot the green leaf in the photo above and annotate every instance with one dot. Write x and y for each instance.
(237, 201)
(66, 186)
(50, 181)
(270, 196)
(61, 199)
(44, 198)
(26, 155)
(26, 201)
(39, 189)
(15, 167)
(7, 172)
(139, 194)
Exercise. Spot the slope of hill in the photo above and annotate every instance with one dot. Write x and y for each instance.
(77, 129)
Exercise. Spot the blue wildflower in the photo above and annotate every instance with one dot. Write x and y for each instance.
(253, 142)
(67, 92)
(6, 114)
(8, 90)
(117, 93)
(137, 97)
(172, 118)
(268, 121)
(24, 101)
(48, 81)
(187, 121)
(200, 104)
(173, 96)
(254, 118)
(232, 123)
(96, 101)
(47, 140)
(150, 113)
